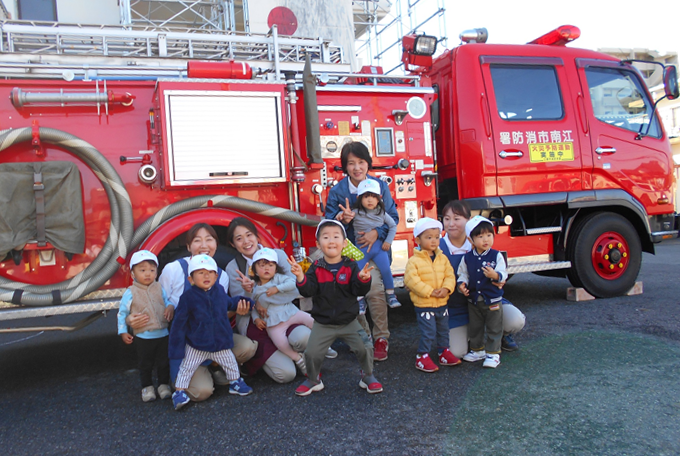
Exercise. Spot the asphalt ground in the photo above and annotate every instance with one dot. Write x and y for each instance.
(592, 378)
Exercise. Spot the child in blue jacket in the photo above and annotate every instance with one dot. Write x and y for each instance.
(201, 329)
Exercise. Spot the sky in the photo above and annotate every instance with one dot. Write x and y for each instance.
(603, 24)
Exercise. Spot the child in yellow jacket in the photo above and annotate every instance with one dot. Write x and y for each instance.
(430, 279)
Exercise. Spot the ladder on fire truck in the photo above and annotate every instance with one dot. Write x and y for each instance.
(53, 50)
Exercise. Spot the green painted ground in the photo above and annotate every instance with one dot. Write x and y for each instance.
(599, 393)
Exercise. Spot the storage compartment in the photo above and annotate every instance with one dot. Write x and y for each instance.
(218, 137)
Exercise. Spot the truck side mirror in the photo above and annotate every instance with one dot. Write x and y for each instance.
(670, 82)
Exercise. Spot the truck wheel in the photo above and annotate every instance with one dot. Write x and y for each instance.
(605, 254)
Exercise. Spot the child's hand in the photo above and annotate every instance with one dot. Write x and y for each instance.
(273, 290)
(243, 307)
(365, 274)
(296, 269)
(346, 216)
(386, 246)
(169, 313)
(490, 273)
(462, 287)
(499, 284)
(261, 325)
(261, 311)
(127, 338)
(440, 293)
(246, 282)
(137, 321)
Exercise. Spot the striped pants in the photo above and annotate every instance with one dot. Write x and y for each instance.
(194, 358)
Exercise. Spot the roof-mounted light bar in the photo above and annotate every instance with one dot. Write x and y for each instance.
(558, 37)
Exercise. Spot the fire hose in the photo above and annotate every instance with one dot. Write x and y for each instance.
(121, 238)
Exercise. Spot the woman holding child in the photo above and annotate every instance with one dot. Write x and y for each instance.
(356, 162)
(201, 239)
(242, 235)
(455, 245)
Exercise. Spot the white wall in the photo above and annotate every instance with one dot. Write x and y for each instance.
(88, 11)
(329, 19)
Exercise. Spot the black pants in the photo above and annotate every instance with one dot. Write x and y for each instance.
(150, 352)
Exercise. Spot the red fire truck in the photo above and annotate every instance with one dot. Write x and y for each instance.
(116, 140)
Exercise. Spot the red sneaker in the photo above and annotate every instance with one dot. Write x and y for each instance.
(307, 388)
(448, 359)
(425, 363)
(380, 349)
(372, 387)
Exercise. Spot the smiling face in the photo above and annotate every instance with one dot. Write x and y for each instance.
(331, 240)
(483, 241)
(202, 243)
(203, 279)
(145, 272)
(265, 270)
(429, 240)
(357, 168)
(454, 225)
(245, 241)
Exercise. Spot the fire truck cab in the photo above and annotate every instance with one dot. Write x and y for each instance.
(566, 143)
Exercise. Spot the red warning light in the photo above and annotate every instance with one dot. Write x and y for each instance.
(284, 19)
(558, 37)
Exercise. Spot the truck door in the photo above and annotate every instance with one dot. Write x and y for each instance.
(534, 124)
(623, 156)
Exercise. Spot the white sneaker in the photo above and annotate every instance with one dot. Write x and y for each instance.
(164, 391)
(148, 394)
(492, 361)
(331, 354)
(474, 356)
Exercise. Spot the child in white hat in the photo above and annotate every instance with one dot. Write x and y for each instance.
(146, 296)
(430, 280)
(202, 330)
(275, 291)
(369, 214)
(479, 269)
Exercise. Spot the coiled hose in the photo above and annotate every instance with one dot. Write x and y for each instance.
(121, 230)
(121, 239)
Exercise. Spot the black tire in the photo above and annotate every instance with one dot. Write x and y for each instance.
(582, 240)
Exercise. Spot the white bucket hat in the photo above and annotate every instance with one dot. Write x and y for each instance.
(265, 254)
(426, 223)
(473, 222)
(142, 255)
(202, 262)
(368, 186)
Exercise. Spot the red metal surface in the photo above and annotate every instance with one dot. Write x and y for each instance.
(610, 255)
(219, 70)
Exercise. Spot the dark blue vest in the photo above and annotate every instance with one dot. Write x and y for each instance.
(480, 285)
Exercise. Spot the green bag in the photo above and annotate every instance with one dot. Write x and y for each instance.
(351, 251)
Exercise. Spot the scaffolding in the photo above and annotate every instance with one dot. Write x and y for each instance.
(380, 28)
(172, 15)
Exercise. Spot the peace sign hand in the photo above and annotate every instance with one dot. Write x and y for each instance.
(346, 216)
(365, 273)
(246, 282)
(296, 269)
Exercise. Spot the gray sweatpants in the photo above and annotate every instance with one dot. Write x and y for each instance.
(323, 336)
(489, 317)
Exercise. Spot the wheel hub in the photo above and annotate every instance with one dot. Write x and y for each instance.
(610, 255)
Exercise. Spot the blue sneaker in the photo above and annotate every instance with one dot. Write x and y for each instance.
(509, 344)
(392, 301)
(239, 387)
(362, 306)
(180, 399)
